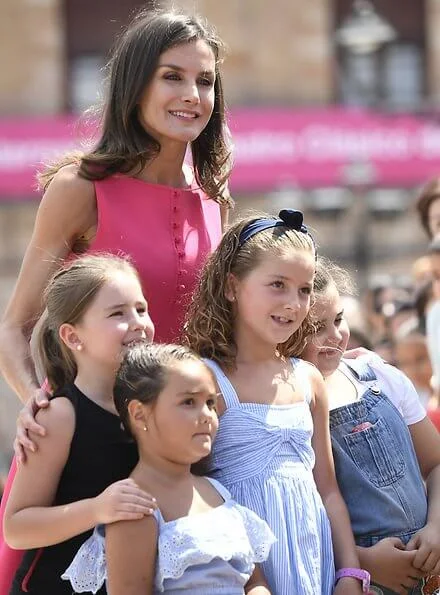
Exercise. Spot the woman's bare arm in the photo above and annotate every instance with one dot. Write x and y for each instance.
(67, 210)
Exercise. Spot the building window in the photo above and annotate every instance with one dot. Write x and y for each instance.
(91, 29)
(393, 76)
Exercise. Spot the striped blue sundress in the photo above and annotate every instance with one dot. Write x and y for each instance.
(263, 455)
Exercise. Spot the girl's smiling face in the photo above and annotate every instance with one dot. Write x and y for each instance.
(273, 299)
(326, 348)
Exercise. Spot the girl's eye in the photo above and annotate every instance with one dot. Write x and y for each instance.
(338, 320)
(141, 310)
(117, 313)
(189, 401)
(278, 284)
(211, 404)
(306, 290)
(206, 82)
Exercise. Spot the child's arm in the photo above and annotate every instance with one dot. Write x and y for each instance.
(324, 473)
(130, 550)
(257, 584)
(426, 440)
(30, 519)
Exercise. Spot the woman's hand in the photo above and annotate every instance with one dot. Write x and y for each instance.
(123, 501)
(26, 423)
(357, 352)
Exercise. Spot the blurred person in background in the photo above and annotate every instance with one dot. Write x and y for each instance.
(421, 271)
(412, 358)
(423, 300)
(428, 207)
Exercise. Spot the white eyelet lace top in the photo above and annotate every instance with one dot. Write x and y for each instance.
(213, 553)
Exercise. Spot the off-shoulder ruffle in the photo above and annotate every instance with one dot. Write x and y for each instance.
(227, 532)
(87, 571)
(233, 532)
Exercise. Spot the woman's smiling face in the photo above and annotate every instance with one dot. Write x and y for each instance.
(178, 102)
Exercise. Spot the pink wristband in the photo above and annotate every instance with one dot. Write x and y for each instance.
(359, 573)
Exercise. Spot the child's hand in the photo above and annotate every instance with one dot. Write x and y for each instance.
(357, 352)
(391, 566)
(348, 586)
(123, 501)
(26, 423)
(426, 544)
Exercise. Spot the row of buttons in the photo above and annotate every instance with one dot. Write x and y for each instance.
(178, 241)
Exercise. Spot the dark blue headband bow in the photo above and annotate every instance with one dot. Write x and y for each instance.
(286, 218)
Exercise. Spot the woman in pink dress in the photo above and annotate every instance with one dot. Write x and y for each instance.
(131, 194)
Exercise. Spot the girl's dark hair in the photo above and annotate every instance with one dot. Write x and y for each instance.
(67, 297)
(143, 374)
(124, 145)
(209, 328)
(430, 192)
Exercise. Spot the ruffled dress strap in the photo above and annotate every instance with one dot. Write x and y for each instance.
(226, 541)
(229, 394)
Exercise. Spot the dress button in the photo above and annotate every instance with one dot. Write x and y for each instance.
(177, 241)
(176, 226)
(181, 254)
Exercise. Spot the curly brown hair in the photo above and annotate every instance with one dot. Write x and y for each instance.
(209, 327)
(124, 146)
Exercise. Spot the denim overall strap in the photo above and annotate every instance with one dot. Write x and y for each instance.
(376, 466)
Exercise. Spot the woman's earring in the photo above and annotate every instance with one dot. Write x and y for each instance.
(79, 347)
(145, 428)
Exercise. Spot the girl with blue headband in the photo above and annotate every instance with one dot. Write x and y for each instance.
(249, 319)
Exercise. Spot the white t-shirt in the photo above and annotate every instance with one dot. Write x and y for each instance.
(395, 385)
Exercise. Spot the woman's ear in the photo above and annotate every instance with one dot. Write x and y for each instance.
(138, 415)
(230, 287)
(69, 336)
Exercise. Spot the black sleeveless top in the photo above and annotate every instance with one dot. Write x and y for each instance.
(100, 454)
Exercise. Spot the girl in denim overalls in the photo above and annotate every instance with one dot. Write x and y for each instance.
(384, 448)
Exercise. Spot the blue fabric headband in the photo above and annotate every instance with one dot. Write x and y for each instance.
(286, 218)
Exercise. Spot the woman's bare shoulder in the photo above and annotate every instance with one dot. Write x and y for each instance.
(69, 200)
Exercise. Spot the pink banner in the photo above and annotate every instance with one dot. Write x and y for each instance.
(273, 148)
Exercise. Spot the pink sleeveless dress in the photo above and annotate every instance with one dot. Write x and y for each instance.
(168, 233)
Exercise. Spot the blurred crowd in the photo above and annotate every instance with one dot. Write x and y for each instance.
(400, 320)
